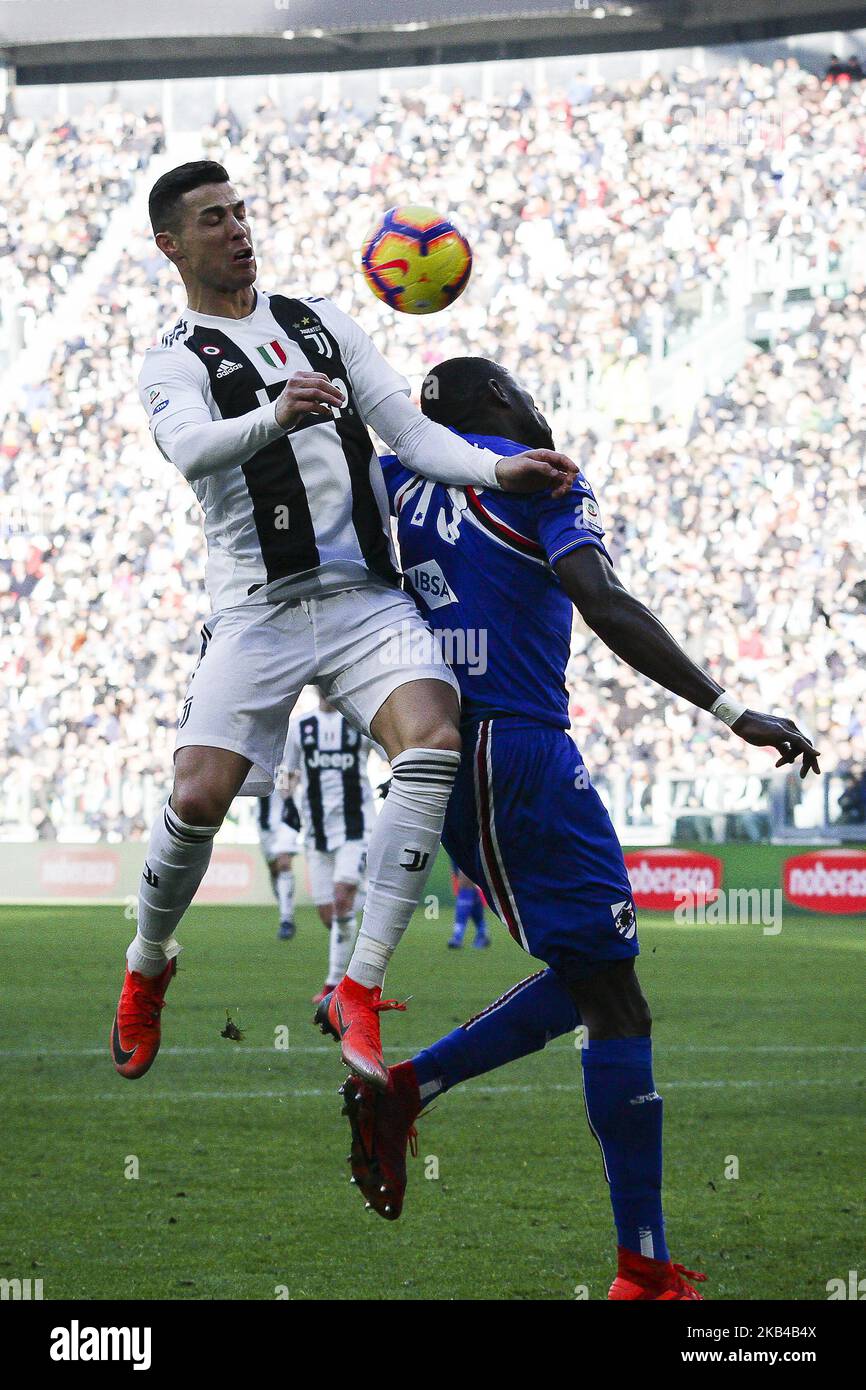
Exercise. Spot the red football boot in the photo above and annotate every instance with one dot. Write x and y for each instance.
(351, 1015)
(135, 1033)
(641, 1278)
(382, 1129)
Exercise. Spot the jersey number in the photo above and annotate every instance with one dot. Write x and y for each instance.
(447, 526)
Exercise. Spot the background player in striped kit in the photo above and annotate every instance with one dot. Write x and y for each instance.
(263, 402)
(279, 837)
(329, 757)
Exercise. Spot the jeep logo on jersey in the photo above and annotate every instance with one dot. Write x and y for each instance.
(337, 762)
(663, 879)
(827, 880)
(430, 584)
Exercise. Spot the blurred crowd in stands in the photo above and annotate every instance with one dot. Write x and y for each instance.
(593, 214)
(62, 180)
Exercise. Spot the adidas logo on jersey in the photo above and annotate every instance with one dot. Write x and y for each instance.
(226, 368)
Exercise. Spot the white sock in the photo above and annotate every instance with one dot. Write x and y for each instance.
(177, 858)
(343, 930)
(403, 846)
(285, 886)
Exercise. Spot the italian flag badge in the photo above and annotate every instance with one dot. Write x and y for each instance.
(271, 351)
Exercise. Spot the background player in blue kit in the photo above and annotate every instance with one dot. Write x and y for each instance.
(524, 821)
(468, 907)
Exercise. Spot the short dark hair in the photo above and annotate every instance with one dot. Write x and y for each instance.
(452, 391)
(165, 196)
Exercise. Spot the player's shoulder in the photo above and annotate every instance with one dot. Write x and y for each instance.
(530, 520)
(170, 341)
(174, 334)
(535, 503)
(320, 305)
(169, 357)
(331, 315)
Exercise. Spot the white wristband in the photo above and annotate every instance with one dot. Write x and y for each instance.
(727, 710)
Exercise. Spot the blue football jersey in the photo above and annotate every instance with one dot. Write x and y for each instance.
(479, 563)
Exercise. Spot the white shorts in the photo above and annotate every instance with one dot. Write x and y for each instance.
(281, 840)
(358, 646)
(348, 864)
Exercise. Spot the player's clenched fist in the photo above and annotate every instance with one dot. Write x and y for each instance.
(536, 470)
(307, 393)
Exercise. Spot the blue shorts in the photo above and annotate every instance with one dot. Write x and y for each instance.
(525, 823)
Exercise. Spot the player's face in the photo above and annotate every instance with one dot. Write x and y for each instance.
(534, 429)
(214, 240)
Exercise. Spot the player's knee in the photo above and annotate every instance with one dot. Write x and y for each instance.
(626, 1015)
(281, 865)
(440, 733)
(446, 736)
(639, 1015)
(326, 913)
(198, 803)
(612, 1004)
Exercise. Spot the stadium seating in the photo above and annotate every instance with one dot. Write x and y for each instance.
(737, 516)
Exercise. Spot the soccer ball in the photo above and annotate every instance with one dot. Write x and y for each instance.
(416, 261)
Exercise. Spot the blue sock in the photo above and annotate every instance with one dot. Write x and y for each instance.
(477, 911)
(625, 1115)
(523, 1020)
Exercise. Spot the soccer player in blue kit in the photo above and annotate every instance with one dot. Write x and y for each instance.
(524, 821)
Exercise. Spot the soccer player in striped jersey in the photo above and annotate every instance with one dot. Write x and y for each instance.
(330, 758)
(524, 821)
(262, 401)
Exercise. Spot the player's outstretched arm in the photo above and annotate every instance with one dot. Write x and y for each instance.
(382, 395)
(436, 452)
(635, 634)
(200, 446)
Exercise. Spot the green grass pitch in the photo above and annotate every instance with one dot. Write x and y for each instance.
(242, 1189)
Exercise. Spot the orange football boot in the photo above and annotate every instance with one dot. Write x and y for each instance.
(655, 1280)
(135, 1033)
(351, 1015)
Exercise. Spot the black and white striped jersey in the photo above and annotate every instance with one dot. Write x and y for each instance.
(336, 797)
(306, 513)
(278, 809)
